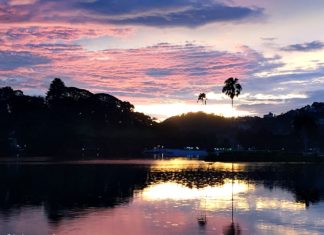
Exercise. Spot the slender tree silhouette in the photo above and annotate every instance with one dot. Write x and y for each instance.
(203, 98)
(232, 88)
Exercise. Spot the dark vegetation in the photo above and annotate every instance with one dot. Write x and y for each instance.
(74, 122)
(295, 131)
(70, 121)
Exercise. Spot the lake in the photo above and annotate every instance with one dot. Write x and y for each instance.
(115, 197)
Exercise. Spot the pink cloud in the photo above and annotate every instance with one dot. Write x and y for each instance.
(13, 35)
(163, 72)
(21, 2)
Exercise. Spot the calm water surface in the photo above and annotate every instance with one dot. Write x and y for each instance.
(160, 197)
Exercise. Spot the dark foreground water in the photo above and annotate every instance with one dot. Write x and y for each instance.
(160, 197)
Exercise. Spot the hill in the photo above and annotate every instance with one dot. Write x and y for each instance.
(69, 120)
(295, 130)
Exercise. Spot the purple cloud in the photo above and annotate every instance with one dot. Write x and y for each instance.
(158, 13)
(13, 59)
(304, 47)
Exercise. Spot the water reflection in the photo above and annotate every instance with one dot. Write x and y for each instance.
(232, 229)
(175, 191)
(67, 190)
(161, 197)
(180, 164)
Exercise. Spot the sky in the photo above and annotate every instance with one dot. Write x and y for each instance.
(159, 55)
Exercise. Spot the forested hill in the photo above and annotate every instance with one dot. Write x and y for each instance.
(295, 130)
(68, 120)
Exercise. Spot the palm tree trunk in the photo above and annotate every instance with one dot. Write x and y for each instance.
(232, 103)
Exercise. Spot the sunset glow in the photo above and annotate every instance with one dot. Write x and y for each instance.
(159, 55)
(165, 110)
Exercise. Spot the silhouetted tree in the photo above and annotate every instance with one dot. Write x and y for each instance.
(56, 90)
(202, 97)
(232, 88)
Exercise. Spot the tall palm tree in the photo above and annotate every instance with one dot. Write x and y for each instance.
(232, 88)
(202, 97)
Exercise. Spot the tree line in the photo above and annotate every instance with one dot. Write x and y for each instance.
(70, 121)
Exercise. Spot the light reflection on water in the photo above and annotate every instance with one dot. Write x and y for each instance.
(174, 191)
(179, 164)
(160, 197)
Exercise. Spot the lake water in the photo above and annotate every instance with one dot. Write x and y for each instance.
(144, 197)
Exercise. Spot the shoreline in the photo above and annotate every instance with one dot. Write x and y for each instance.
(227, 157)
(264, 156)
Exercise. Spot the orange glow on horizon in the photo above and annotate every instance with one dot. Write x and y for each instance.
(163, 111)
